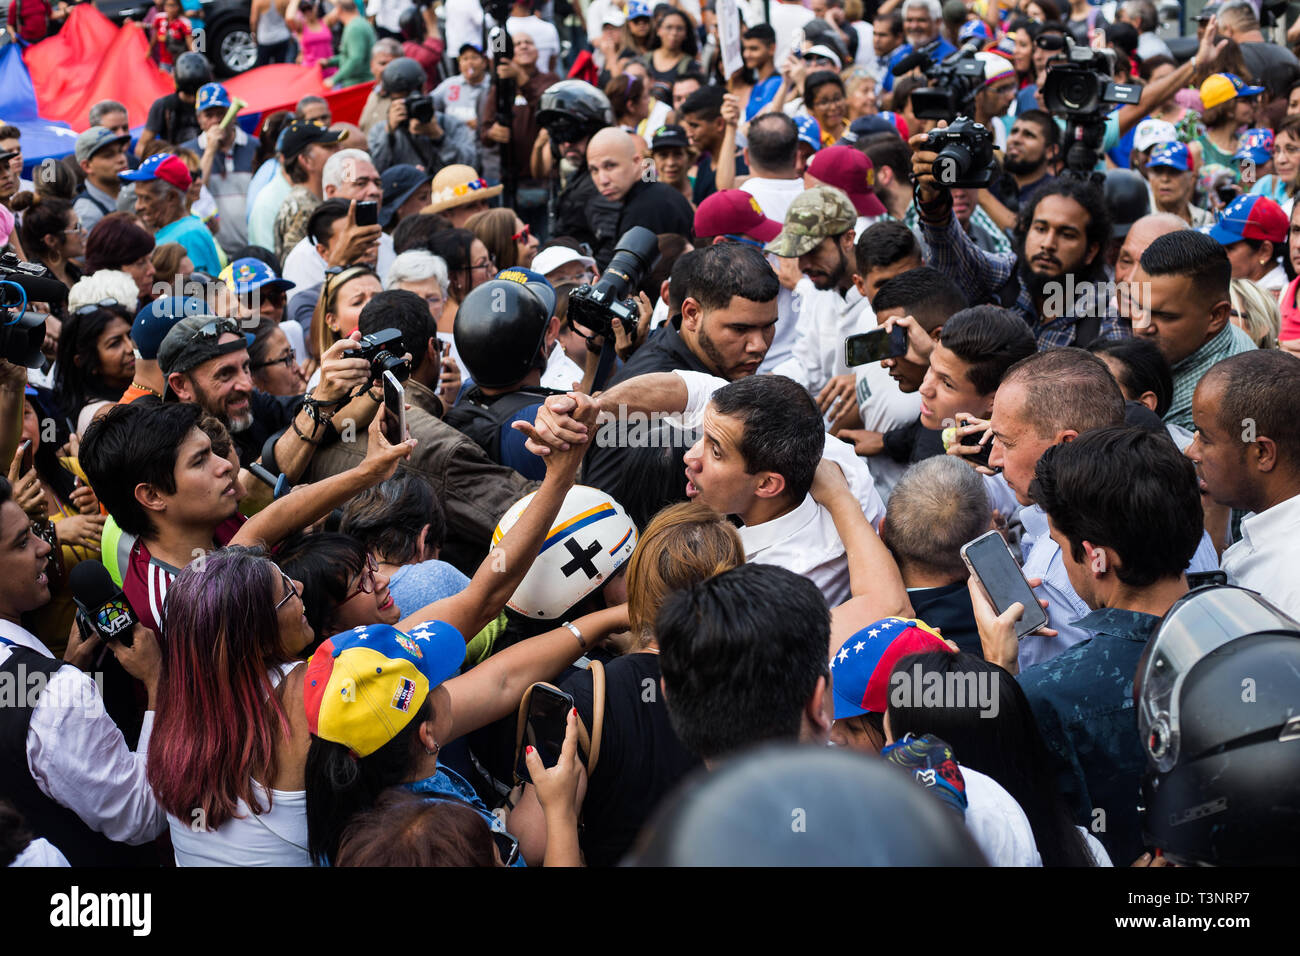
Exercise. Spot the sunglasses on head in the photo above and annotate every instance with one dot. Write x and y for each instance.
(92, 307)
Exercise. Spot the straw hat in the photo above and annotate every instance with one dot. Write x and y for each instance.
(456, 186)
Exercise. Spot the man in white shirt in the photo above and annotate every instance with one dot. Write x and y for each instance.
(1247, 452)
(545, 35)
(759, 443)
(348, 174)
(466, 23)
(818, 231)
(64, 763)
(788, 18)
(771, 153)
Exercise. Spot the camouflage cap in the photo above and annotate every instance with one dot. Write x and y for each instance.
(815, 214)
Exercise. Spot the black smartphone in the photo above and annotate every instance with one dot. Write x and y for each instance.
(367, 214)
(548, 715)
(982, 456)
(875, 345)
(991, 562)
(1205, 579)
(394, 410)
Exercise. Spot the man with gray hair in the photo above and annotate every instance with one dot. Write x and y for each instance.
(376, 109)
(1237, 20)
(937, 506)
(160, 186)
(348, 174)
(921, 20)
(1141, 15)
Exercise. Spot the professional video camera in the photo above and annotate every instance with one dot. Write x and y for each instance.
(22, 332)
(596, 306)
(1078, 88)
(953, 81)
(965, 159)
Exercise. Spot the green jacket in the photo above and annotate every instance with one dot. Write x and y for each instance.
(353, 58)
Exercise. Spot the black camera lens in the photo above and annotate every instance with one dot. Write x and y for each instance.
(420, 107)
(596, 306)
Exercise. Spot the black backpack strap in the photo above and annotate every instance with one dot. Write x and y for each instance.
(481, 417)
(83, 194)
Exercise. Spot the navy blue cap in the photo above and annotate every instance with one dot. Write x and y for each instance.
(155, 320)
(400, 183)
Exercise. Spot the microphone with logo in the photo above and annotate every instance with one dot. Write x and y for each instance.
(102, 608)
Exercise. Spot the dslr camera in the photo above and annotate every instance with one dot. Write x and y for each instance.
(419, 107)
(596, 306)
(384, 351)
(22, 332)
(965, 159)
(1080, 88)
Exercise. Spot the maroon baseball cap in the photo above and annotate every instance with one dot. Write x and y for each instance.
(849, 169)
(734, 212)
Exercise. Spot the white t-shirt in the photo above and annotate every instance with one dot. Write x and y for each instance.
(466, 23)
(997, 822)
(787, 19)
(544, 35)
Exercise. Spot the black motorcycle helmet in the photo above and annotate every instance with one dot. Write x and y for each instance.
(1129, 199)
(1218, 709)
(791, 805)
(572, 110)
(501, 327)
(412, 25)
(191, 71)
(402, 76)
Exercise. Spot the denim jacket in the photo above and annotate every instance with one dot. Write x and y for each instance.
(1083, 700)
(448, 783)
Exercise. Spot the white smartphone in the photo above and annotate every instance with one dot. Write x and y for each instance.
(394, 410)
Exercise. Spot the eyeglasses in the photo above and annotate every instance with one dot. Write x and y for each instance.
(489, 265)
(290, 591)
(77, 228)
(523, 234)
(92, 307)
(288, 360)
(366, 583)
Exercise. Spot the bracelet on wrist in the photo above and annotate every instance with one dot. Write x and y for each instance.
(576, 633)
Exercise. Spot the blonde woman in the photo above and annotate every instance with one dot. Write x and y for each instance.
(338, 310)
(1255, 312)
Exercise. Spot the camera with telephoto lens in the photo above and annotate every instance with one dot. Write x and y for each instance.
(22, 331)
(384, 351)
(419, 107)
(597, 306)
(1080, 88)
(951, 82)
(965, 159)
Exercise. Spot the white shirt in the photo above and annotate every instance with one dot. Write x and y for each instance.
(595, 17)
(774, 197)
(787, 19)
(803, 541)
(998, 823)
(78, 757)
(40, 852)
(305, 267)
(825, 320)
(1261, 560)
(276, 837)
(866, 55)
(464, 24)
(387, 13)
(561, 371)
(544, 35)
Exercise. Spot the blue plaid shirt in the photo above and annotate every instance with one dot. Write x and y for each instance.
(981, 275)
(1083, 700)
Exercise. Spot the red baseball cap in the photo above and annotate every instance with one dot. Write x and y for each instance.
(168, 167)
(849, 169)
(734, 212)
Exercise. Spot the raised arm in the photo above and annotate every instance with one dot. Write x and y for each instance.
(505, 566)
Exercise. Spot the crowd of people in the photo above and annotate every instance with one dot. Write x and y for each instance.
(538, 383)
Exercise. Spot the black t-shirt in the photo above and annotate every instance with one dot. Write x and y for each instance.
(172, 119)
(659, 208)
(271, 414)
(706, 177)
(641, 758)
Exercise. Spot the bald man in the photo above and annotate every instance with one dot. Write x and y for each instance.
(1140, 235)
(621, 177)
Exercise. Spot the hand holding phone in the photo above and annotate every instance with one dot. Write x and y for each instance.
(545, 728)
(993, 567)
(972, 440)
(367, 214)
(394, 410)
(873, 346)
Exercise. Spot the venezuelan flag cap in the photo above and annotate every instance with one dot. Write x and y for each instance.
(364, 685)
(860, 669)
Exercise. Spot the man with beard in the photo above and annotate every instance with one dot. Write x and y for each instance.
(205, 362)
(1033, 146)
(921, 21)
(1055, 279)
(161, 184)
(818, 231)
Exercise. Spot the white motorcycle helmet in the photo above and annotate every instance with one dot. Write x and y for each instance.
(591, 539)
